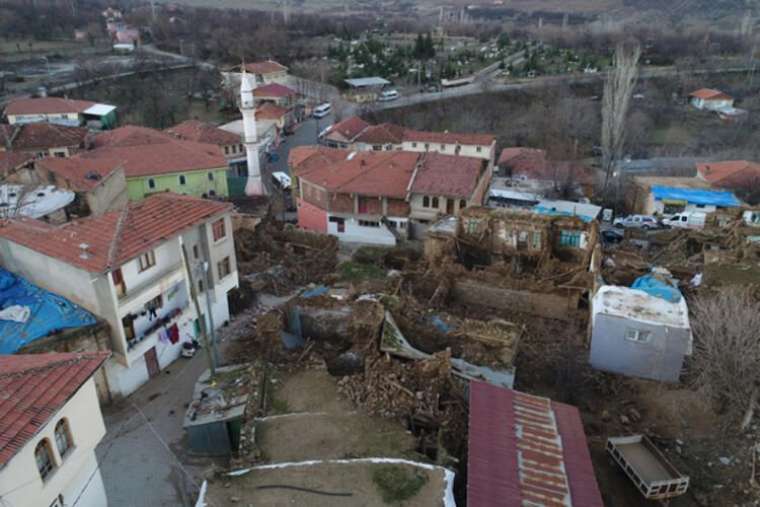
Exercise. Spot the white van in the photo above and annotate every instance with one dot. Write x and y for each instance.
(322, 110)
(281, 179)
(686, 220)
(388, 95)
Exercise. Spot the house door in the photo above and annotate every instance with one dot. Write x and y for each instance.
(449, 206)
(151, 361)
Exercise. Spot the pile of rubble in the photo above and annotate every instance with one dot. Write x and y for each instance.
(394, 388)
(278, 258)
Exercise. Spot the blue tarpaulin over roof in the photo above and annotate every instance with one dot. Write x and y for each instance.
(48, 313)
(658, 285)
(720, 198)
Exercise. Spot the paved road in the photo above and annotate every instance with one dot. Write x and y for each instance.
(539, 82)
(306, 134)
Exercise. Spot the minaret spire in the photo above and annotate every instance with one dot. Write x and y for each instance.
(254, 185)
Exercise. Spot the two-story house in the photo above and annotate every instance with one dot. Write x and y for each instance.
(382, 196)
(137, 269)
(155, 161)
(43, 139)
(354, 133)
(50, 424)
(230, 144)
(275, 93)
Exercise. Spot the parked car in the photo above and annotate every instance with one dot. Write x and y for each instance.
(388, 95)
(612, 236)
(686, 220)
(322, 110)
(637, 222)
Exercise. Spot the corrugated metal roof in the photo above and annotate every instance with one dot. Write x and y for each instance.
(367, 81)
(526, 451)
(704, 197)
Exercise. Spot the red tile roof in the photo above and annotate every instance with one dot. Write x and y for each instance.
(369, 173)
(525, 448)
(730, 173)
(34, 387)
(147, 152)
(523, 160)
(203, 132)
(12, 160)
(47, 105)
(709, 94)
(36, 136)
(265, 67)
(274, 90)
(349, 128)
(449, 138)
(81, 174)
(269, 111)
(448, 175)
(303, 159)
(385, 133)
(116, 237)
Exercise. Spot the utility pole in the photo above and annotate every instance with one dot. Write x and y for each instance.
(194, 296)
(212, 330)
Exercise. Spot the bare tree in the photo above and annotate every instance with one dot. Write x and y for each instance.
(617, 99)
(726, 327)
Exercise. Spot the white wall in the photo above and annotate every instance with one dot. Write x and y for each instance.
(355, 233)
(70, 119)
(20, 475)
(167, 257)
(465, 150)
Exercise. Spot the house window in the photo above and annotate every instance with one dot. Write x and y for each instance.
(377, 147)
(240, 146)
(223, 267)
(462, 204)
(570, 238)
(369, 223)
(479, 149)
(196, 253)
(226, 150)
(218, 229)
(426, 202)
(435, 202)
(151, 183)
(43, 455)
(443, 147)
(211, 176)
(414, 145)
(63, 437)
(200, 286)
(182, 179)
(637, 335)
(147, 260)
(536, 240)
(427, 146)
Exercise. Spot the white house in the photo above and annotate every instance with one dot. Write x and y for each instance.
(128, 268)
(68, 112)
(712, 100)
(50, 424)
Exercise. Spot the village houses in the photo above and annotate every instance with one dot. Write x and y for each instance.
(50, 424)
(43, 139)
(379, 197)
(61, 111)
(356, 134)
(155, 161)
(137, 269)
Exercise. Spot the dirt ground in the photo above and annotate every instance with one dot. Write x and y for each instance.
(314, 423)
(354, 479)
(332, 430)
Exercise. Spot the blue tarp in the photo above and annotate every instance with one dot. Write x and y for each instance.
(49, 313)
(720, 198)
(658, 286)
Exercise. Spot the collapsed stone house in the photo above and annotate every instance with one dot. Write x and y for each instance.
(534, 263)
